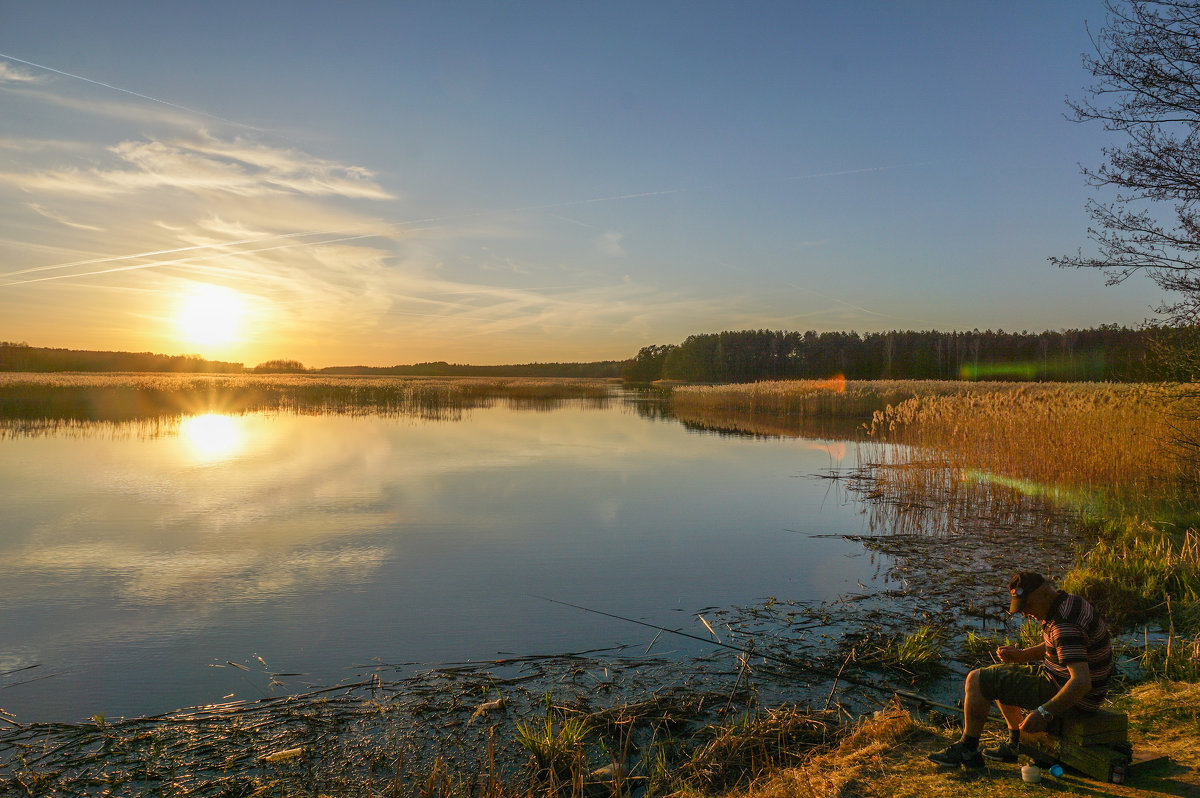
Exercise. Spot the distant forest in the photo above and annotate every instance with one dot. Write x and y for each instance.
(1105, 353)
(22, 357)
(601, 368)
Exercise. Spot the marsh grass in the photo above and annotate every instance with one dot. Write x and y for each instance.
(1134, 573)
(798, 400)
(1178, 659)
(738, 752)
(915, 654)
(980, 647)
(1085, 445)
(47, 403)
(556, 748)
(919, 651)
(1104, 454)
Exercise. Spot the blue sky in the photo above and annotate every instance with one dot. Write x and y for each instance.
(387, 183)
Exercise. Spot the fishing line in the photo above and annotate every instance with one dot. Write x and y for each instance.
(786, 661)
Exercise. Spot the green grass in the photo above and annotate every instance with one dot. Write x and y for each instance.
(920, 650)
(978, 647)
(556, 749)
(1135, 569)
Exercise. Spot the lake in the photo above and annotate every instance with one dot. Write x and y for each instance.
(140, 560)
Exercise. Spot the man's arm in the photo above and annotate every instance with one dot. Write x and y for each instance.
(1077, 687)
(1014, 654)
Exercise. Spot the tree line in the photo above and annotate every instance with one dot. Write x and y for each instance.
(440, 368)
(1105, 353)
(23, 357)
(1108, 352)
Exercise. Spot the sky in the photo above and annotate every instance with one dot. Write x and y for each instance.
(381, 183)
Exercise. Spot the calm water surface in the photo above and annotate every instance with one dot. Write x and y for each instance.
(136, 567)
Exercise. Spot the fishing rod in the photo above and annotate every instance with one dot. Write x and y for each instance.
(786, 661)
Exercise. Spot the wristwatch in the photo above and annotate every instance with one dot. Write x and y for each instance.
(1045, 713)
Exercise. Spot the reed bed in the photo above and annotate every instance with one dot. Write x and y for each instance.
(1072, 443)
(1103, 457)
(1061, 442)
(33, 403)
(799, 400)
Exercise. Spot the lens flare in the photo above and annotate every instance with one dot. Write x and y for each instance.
(836, 383)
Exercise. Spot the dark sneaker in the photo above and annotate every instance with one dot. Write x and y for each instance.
(1004, 752)
(957, 755)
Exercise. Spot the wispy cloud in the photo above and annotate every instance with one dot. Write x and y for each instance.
(131, 92)
(610, 244)
(11, 73)
(38, 209)
(41, 145)
(123, 110)
(291, 232)
(207, 166)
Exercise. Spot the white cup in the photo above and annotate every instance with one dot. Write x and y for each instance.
(1030, 774)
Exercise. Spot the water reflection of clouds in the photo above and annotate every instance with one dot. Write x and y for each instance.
(316, 503)
(196, 578)
(835, 449)
(312, 534)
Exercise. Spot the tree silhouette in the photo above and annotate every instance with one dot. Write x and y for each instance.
(1147, 70)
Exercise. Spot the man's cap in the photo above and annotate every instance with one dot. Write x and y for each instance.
(1020, 586)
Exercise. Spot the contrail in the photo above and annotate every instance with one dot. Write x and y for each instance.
(179, 261)
(409, 224)
(131, 92)
(156, 253)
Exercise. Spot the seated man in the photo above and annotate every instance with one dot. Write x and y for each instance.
(1076, 658)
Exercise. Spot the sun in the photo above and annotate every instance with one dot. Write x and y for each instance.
(210, 314)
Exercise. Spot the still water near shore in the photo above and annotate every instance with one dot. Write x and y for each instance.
(138, 566)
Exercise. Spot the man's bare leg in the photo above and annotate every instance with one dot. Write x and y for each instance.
(965, 752)
(1013, 715)
(975, 707)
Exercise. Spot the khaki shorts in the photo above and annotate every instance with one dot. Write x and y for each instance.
(1016, 685)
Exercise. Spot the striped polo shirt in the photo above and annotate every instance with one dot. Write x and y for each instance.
(1074, 632)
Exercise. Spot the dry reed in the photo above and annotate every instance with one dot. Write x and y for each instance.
(38, 403)
(1063, 443)
(797, 400)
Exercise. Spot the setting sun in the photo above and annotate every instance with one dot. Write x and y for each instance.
(210, 314)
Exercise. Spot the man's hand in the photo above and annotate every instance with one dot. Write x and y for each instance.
(1035, 723)
(1010, 654)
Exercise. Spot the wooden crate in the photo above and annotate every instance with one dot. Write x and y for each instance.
(1094, 743)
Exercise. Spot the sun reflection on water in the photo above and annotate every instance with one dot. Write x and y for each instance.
(212, 436)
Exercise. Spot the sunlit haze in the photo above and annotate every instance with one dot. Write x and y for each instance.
(211, 315)
(383, 183)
